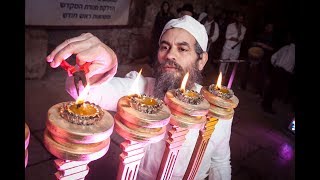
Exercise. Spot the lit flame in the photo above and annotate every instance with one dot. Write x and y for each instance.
(219, 81)
(134, 88)
(83, 95)
(184, 82)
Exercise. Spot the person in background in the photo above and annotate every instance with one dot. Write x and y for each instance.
(182, 49)
(218, 45)
(260, 69)
(211, 26)
(162, 17)
(222, 21)
(187, 9)
(234, 36)
(212, 29)
(281, 76)
(205, 12)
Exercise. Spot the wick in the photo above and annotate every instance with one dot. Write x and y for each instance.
(79, 105)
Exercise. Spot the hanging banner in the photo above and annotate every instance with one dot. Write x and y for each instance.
(76, 12)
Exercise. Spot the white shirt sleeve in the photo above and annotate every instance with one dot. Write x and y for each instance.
(276, 55)
(284, 58)
(230, 31)
(243, 32)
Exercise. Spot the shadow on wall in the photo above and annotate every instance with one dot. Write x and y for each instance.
(35, 53)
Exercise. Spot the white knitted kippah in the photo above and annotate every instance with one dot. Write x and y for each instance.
(191, 25)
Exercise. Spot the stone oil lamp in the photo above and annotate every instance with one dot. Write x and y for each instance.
(222, 100)
(26, 143)
(77, 132)
(140, 119)
(188, 109)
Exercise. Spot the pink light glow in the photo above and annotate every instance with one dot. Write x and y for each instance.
(286, 152)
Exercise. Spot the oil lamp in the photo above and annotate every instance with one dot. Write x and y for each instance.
(77, 132)
(222, 100)
(219, 90)
(188, 109)
(26, 143)
(140, 119)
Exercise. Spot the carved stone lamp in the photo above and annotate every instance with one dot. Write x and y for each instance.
(77, 133)
(188, 109)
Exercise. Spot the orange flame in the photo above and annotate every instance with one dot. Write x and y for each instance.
(184, 82)
(83, 95)
(219, 81)
(134, 88)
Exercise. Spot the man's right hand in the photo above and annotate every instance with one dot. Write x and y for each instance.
(87, 48)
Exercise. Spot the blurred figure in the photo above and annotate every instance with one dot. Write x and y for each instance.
(266, 42)
(187, 9)
(217, 46)
(212, 28)
(205, 12)
(281, 77)
(260, 69)
(234, 36)
(222, 22)
(162, 17)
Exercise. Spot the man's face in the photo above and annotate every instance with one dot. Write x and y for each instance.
(176, 57)
(269, 28)
(177, 45)
(240, 19)
(165, 7)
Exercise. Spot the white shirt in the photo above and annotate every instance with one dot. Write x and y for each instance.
(284, 58)
(233, 32)
(216, 161)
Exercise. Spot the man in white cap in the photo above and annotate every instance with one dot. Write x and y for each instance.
(182, 48)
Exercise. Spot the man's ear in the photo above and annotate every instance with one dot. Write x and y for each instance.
(203, 60)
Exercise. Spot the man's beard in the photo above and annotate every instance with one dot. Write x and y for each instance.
(172, 80)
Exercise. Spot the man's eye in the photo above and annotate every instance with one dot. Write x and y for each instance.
(163, 47)
(182, 49)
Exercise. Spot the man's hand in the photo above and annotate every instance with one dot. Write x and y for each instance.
(87, 48)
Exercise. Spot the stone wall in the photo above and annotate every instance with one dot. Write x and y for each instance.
(36, 42)
(129, 42)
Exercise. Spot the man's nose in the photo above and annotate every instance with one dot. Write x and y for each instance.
(171, 54)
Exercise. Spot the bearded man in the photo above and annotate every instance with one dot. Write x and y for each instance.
(182, 49)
